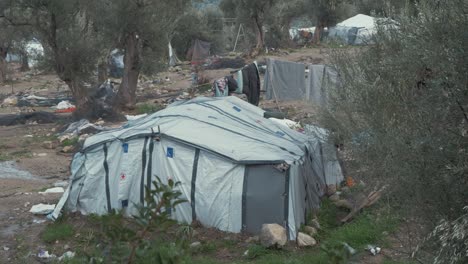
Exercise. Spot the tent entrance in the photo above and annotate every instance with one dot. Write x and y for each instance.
(265, 197)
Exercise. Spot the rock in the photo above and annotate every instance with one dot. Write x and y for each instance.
(42, 209)
(344, 204)
(196, 244)
(315, 223)
(331, 189)
(83, 137)
(66, 137)
(100, 122)
(67, 149)
(253, 239)
(62, 184)
(335, 197)
(49, 144)
(304, 240)
(312, 231)
(53, 190)
(273, 235)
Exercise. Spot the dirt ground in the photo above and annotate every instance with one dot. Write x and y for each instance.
(24, 146)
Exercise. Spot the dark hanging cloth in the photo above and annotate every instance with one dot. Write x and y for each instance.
(232, 84)
(251, 81)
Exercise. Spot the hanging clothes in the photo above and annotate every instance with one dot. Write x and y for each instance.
(251, 83)
(220, 87)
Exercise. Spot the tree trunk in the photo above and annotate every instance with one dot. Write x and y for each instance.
(126, 97)
(24, 61)
(260, 36)
(318, 32)
(3, 64)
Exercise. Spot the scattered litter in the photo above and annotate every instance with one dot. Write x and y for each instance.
(288, 123)
(64, 105)
(44, 254)
(38, 221)
(246, 253)
(374, 250)
(195, 244)
(61, 184)
(27, 204)
(28, 136)
(77, 127)
(134, 117)
(53, 190)
(67, 255)
(350, 249)
(42, 154)
(6, 248)
(42, 209)
(34, 97)
(12, 100)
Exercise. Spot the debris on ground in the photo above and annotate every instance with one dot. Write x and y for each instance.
(29, 118)
(67, 255)
(38, 221)
(6, 248)
(196, 244)
(273, 235)
(134, 117)
(42, 209)
(44, 254)
(10, 101)
(368, 201)
(65, 107)
(350, 249)
(81, 127)
(53, 190)
(374, 250)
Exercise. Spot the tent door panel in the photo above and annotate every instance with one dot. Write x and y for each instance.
(264, 197)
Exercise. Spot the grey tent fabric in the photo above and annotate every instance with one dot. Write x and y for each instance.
(224, 153)
(286, 81)
(322, 79)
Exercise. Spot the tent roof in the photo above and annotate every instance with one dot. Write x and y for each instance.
(360, 21)
(227, 126)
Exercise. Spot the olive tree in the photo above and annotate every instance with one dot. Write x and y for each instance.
(141, 29)
(402, 109)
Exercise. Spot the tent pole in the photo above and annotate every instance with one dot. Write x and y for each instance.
(237, 38)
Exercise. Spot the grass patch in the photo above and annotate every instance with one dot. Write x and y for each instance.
(15, 155)
(366, 228)
(57, 231)
(70, 142)
(204, 88)
(148, 108)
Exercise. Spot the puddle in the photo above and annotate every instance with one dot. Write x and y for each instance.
(9, 170)
(9, 230)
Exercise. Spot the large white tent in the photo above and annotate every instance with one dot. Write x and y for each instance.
(237, 169)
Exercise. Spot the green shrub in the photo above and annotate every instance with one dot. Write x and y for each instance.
(57, 231)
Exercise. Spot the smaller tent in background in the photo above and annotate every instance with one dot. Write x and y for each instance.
(355, 30)
(173, 59)
(199, 52)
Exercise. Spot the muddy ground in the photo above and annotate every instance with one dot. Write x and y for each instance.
(34, 167)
